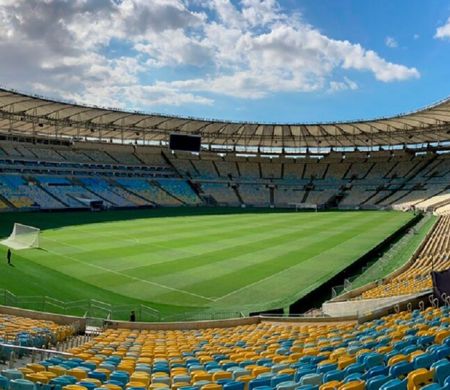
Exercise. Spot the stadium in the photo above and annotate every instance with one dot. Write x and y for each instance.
(144, 251)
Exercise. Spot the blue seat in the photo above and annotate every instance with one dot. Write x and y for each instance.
(4, 382)
(303, 371)
(307, 387)
(115, 382)
(424, 341)
(322, 369)
(401, 369)
(288, 385)
(312, 379)
(120, 376)
(335, 375)
(354, 367)
(12, 373)
(442, 352)
(90, 366)
(423, 361)
(189, 388)
(21, 384)
(373, 359)
(223, 381)
(234, 386)
(280, 378)
(432, 386)
(101, 376)
(356, 376)
(88, 385)
(258, 382)
(376, 382)
(378, 370)
(442, 372)
(394, 384)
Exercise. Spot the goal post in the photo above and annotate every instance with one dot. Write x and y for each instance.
(22, 237)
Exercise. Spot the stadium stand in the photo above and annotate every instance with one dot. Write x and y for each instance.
(137, 191)
(222, 193)
(31, 332)
(179, 189)
(405, 350)
(106, 191)
(65, 191)
(434, 256)
(361, 181)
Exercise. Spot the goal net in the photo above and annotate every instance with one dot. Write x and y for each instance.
(22, 237)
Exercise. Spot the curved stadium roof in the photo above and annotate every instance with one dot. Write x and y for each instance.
(22, 114)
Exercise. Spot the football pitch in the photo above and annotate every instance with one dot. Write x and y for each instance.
(190, 260)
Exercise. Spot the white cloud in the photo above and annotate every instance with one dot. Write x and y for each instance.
(443, 32)
(346, 83)
(248, 51)
(416, 36)
(391, 42)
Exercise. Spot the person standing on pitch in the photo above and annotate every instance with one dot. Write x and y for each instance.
(8, 256)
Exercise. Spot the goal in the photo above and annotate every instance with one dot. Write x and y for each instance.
(22, 237)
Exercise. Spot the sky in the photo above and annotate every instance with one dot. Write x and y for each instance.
(284, 61)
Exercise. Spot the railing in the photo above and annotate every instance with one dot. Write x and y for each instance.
(97, 311)
(82, 308)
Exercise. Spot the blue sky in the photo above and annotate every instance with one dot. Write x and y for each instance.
(251, 60)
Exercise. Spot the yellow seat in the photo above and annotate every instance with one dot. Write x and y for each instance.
(353, 385)
(419, 378)
(177, 385)
(397, 359)
(286, 371)
(221, 375)
(77, 373)
(37, 377)
(345, 361)
(135, 384)
(74, 387)
(36, 367)
(48, 374)
(332, 385)
(201, 376)
(95, 381)
(111, 386)
(58, 370)
(158, 386)
(211, 386)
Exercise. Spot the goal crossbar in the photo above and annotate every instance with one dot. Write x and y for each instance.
(22, 237)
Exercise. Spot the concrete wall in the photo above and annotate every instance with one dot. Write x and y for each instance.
(363, 306)
(183, 325)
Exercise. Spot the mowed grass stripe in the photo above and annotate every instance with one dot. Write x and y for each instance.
(243, 244)
(311, 272)
(286, 257)
(181, 249)
(109, 243)
(142, 230)
(270, 249)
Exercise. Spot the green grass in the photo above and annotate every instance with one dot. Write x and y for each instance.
(398, 255)
(195, 260)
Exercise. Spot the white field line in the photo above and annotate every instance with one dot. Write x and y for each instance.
(122, 274)
(132, 240)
